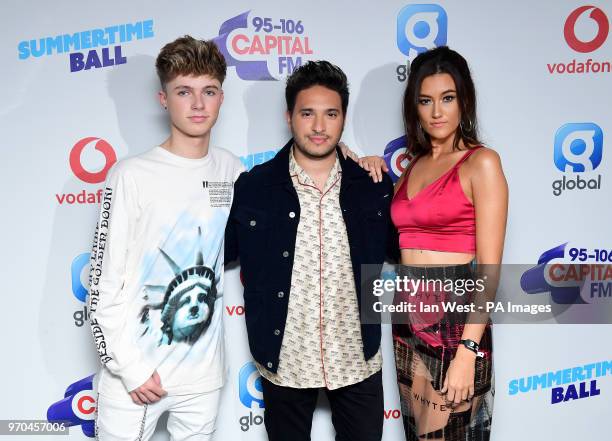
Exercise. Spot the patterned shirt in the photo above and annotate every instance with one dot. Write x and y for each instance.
(322, 345)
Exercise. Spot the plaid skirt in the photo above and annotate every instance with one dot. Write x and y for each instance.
(424, 348)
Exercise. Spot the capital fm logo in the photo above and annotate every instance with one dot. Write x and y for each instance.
(586, 29)
(397, 157)
(77, 408)
(263, 48)
(419, 28)
(572, 274)
(79, 270)
(250, 392)
(90, 160)
(534, 280)
(578, 151)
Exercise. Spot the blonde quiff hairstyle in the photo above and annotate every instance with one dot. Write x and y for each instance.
(188, 56)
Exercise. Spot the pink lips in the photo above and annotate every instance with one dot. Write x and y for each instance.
(197, 119)
(437, 124)
(318, 139)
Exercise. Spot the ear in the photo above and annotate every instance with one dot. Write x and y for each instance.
(222, 96)
(288, 118)
(163, 99)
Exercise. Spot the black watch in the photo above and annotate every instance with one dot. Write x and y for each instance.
(472, 346)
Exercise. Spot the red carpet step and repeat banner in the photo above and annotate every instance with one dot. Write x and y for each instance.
(79, 93)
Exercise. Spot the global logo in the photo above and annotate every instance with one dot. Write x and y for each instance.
(578, 148)
(92, 176)
(78, 272)
(250, 389)
(77, 408)
(263, 48)
(598, 17)
(421, 27)
(397, 157)
(250, 392)
(76, 275)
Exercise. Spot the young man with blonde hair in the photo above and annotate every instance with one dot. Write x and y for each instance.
(156, 278)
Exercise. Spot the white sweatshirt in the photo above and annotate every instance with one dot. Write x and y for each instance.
(156, 280)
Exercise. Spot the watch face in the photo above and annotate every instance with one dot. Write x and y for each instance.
(470, 344)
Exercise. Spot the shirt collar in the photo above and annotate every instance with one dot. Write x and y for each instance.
(296, 170)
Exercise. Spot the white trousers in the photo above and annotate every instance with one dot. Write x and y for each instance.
(190, 417)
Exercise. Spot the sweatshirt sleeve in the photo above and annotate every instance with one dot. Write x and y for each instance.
(108, 304)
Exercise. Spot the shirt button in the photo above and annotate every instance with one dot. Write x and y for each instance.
(269, 365)
(285, 253)
(281, 294)
(253, 223)
(291, 214)
(277, 332)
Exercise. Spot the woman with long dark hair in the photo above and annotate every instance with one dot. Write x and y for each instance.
(450, 209)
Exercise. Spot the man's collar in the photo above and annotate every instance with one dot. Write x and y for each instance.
(280, 166)
(295, 169)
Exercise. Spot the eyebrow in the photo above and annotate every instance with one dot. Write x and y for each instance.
(443, 93)
(310, 109)
(210, 86)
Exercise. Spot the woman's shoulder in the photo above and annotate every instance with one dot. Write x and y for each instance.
(484, 157)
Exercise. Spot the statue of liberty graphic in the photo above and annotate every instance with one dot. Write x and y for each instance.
(188, 303)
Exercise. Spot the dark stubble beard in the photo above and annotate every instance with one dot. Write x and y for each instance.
(315, 156)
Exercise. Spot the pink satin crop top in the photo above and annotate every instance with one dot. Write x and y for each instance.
(439, 217)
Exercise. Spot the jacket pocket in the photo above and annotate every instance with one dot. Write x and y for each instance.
(253, 231)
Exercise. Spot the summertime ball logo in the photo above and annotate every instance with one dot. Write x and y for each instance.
(586, 29)
(94, 150)
(263, 48)
(578, 151)
(569, 384)
(250, 392)
(103, 45)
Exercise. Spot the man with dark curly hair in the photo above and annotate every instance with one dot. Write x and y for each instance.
(301, 250)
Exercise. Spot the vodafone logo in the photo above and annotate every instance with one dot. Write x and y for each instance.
(97, 176)
(603, 28)
(84, 405)
(234, 310)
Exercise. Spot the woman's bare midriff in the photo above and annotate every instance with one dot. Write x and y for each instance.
(410, 256)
